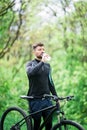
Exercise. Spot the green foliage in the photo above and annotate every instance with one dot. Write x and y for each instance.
(10, 87)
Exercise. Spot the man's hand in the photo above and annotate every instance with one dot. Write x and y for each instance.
(45, 57)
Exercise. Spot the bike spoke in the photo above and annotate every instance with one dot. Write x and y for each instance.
(67, 127)
(13, 118)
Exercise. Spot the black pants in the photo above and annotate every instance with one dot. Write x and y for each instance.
(39, 104)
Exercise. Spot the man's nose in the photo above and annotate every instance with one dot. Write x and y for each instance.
(43, 51)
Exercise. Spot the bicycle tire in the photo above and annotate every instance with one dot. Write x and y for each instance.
(67, 125)
(12, 116)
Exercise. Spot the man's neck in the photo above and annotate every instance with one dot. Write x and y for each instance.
(38, 59)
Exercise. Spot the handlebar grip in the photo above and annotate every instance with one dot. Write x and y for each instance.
(27, 97)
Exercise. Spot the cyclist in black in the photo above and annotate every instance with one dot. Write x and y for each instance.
(40, 83)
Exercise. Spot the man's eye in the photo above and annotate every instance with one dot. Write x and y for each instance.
(39, 50)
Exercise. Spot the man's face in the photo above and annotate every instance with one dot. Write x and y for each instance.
(38, 51)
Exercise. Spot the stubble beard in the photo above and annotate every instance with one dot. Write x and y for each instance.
(39, 57)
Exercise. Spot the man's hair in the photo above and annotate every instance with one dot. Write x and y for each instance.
(36, 45)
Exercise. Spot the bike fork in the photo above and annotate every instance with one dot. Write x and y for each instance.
(60, 119)
(63, 127)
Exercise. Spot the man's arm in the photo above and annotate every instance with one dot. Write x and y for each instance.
(51, 85)
(32, 68)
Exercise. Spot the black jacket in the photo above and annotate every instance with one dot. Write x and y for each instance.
(40, 80)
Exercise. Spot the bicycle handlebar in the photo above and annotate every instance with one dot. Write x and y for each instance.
(55, 98)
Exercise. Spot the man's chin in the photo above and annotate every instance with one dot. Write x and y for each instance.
(39, 57)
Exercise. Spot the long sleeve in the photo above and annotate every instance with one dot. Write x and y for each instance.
(51, 85)
(33, 68)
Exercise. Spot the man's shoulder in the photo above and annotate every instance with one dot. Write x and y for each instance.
(47, 64)
(29, 62)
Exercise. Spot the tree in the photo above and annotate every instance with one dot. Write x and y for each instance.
(10, 21)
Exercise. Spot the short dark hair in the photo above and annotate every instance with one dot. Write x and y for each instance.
(34, 46)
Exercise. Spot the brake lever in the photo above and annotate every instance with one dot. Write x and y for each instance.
(70, 98)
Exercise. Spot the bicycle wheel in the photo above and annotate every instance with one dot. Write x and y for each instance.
(14, 119)
(67, 125)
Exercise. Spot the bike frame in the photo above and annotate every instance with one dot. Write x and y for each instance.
(53, 109)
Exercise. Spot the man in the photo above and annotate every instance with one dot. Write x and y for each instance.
(40, 83)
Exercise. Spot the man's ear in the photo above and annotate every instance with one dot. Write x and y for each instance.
(33, 52)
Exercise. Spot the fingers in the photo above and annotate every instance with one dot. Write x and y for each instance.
(45, 57)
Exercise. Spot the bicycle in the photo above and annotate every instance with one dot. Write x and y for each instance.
(24, 121)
